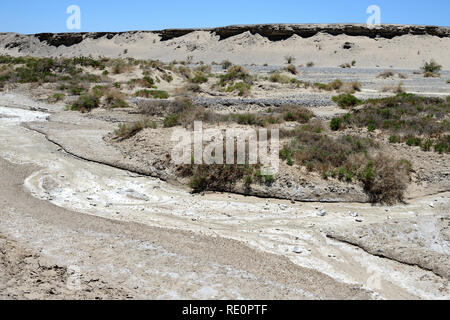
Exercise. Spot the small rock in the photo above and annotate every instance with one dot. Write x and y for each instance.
(358, 220)
(297, 250)
(354, 214)
(322, 213)
(282, 206)
(431, 204)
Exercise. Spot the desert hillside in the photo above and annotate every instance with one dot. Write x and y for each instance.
(402, 46)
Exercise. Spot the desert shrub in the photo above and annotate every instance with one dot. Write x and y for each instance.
(115, 99)
(199, 78)
(279, 78)
(184, 72)
(386, 74)
(167, 77)
(120, 66)
(289, 59)
(77, 89)
(395, 89)
(56, 97)
(155, 94)
(171, 121)
(335, 124)
(338, 85)
(297, 113)
(291, 69)
(164, 107)
(126, 131)
(220, 178)
(442, 144)
(346, 100)
(242, 88)
(431, 68)
(85, 103)
(310, 64)
(226, 64)
(385, 179)
(148, 82)
(235, 73)
(203, 68)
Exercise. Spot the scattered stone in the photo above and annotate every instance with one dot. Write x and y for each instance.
(358, 220)
(322, 213)
(354, 214)
(297, 250)
(282, 206)
(431, 204)
(130, 193)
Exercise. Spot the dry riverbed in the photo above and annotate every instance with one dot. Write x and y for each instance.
(133, 236)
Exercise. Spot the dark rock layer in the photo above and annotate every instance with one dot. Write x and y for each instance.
(273, 32)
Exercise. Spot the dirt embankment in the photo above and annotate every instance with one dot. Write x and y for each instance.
(402, 46)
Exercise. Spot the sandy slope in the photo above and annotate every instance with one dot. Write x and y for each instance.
(406, 51)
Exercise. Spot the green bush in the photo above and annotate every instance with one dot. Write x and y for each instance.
(156, 94)
(335, 124)
(85, 103)
(431, 67)
(171, 121)
(347, 100)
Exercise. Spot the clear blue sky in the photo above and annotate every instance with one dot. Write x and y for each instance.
(31, 16)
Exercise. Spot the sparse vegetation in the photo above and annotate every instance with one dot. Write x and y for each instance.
(289, 59)
(56, 97)
(85, 103)
(226, 64)
(410, 119)
(291, 69)
(386, 74)
(127, 131)
(347, 100)
(348, 158)
(395, 89)
(155, 94)
(338, 85)
(431, 69)
(115, 99)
